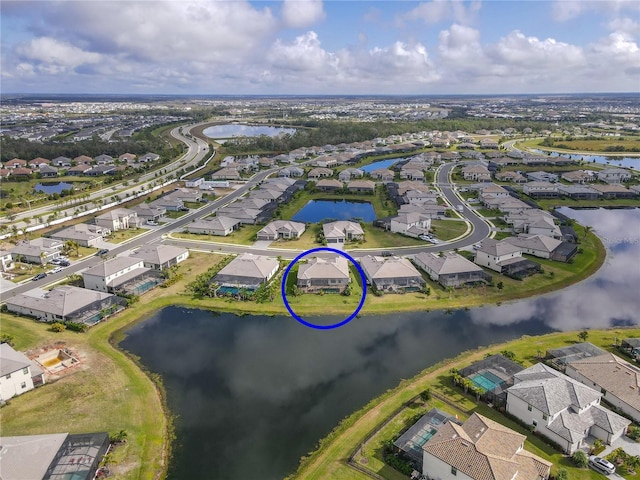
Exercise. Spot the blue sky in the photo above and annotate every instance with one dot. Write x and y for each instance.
(320, 47)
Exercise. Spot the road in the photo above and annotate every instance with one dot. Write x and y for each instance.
(480, 230)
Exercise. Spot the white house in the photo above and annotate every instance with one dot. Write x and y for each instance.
(480, 449)
(114, 274)
(493, 253)
(118, 219)
(614, 175)
(342, 231)
(15, 372)
(561, 408)
(412, 224)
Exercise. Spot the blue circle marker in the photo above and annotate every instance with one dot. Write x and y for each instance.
(313, 325)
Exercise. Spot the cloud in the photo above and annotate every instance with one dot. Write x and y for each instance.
(517, 49)
(302, 13)
(564, 10)
(440, 10)
(49, 51)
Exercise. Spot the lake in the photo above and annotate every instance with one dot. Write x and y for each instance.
(237, 130)
(317, 210)
(381, 164)
(52, 187)
(252, 394)
(617, 161)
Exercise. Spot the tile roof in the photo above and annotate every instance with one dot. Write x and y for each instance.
(324, 268)
(447, 263)
(388, 267)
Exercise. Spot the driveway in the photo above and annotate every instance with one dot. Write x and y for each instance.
(262, 244)
(628, 445)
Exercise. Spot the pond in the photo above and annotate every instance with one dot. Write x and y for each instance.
(616, 161)
(318, 210)
(238, 130)
(381, 164)
(252, 394)
(52, 187)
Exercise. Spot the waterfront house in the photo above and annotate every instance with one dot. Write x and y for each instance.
(361, 186)
(562, 409)
(391, 274)
(121, 274)
(247, 271)
(614, 175)
(504, 258)
(450, 269)
(330, 275)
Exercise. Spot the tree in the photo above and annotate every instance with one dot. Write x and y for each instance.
(583, 335)
(562, 474)
(587, 230)
(425, 395)
(508, 354)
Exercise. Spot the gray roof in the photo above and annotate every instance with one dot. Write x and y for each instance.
(497, 248)
(220, 222)
(159, 254)
(11, 360)
(117, 213)
(29, 456)
(321, 268)
(249, 265)
(550, 391)
(109, 267)
(534, 242)
(63, 300)
(448, 263)
(388, 267)
(338, 229)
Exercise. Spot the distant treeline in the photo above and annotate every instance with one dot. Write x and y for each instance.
(318, 133)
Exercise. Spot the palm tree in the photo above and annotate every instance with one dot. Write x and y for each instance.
(587, 230)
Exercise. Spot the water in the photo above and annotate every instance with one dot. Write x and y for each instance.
(255, 393)
(628, 162)
(49, 188)
(317, 210)
(381, 164)
(233, 130)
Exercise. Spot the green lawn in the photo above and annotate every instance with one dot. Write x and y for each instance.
(245, 235)
(448, 229)
(375, 237)
(121, 236)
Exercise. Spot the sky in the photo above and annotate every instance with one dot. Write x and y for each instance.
(307, 47)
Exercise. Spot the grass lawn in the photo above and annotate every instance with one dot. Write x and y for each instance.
(375, 237)
(569, 202)
(306, 241)
(121, 236)
(448, 229)
(330, 459)
(628, 142)
(107, 392)
(174, 213)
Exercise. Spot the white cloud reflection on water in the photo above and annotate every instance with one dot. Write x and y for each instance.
(609, 298)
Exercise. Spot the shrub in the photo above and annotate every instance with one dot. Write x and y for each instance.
(580, 459)
(58, 327)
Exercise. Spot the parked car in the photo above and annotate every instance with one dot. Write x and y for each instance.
(152, 223)
(476, 246)
(39, 276)
(56, 270)
(101, 252)
(601, 465)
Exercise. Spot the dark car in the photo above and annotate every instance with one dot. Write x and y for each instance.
(39, 276)
(101, 252)
(64, 263)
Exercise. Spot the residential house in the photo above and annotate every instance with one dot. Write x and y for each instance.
(617, 380)
(391, 274)
(15, 163)
(83, 234)
(320, 172)
(534, 222)
(614, 175)
(289, 172)
(562, 409)
(101, 170)
(349, 173)
(419, 197)
(579, 192)
(118, 274)
(244, 215)
(220, 225)
(330, 275)
(118, 219)
(160, 257)
(614, 190)
(493, 191)
(31, 253)
(247, 271)
(21, 173)
(6, 261)
(342, 231)
(480, 449)
(78, 169)
(187, 195)
(149, 213)
(411, 224)
(127, 158)
(383, 174)
(281, 229)
(104, 159)
(47, 171)
(361, 186)
(488, 143)
(329, 185)
(36, 163)
(226, 173)
(149, 157)
(450, 269)
(505, 258)
(578, 176)
(542, 177)
(83, 160)
(540, 189)
(415, 174)
(16, 375)
(544, 247)
(168, 202)
(63, 162)
(476, 173)
(509, 176)
(64, 303)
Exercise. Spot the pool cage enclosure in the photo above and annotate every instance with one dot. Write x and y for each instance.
(492, 375)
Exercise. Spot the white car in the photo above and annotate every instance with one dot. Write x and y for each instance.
(152, 223)
(56, 270)
(601, 465)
